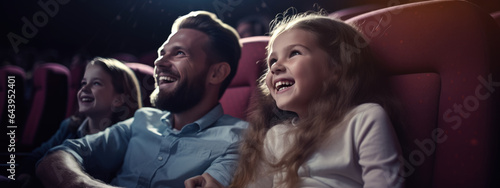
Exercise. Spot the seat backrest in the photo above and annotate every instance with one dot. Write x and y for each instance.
(496, 16)
(77, 72)
(49, 102)
(237, 96)
(145, 76)
(441, 59)
(346, 13)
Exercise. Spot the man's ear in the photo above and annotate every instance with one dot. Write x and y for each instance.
(218, 72)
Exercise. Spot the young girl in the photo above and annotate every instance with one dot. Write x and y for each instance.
(319, 121)
(109, 93)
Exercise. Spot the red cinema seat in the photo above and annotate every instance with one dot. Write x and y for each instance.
(235, 100)
(76, 76)
(442, 60)
(49, 102)
(496, 16)
(346, 13)
(145, 77)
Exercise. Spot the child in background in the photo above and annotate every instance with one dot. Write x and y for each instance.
(320, 120)
(109, 93)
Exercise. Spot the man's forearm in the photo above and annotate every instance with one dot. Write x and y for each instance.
(60, 169)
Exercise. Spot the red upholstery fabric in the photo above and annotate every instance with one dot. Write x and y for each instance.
(145, 76)
(496, 16)
(48, 109)
(76, 76)
(444, 70)
(237, 96)
(344, 14)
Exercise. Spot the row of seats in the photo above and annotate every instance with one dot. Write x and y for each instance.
(444, 68)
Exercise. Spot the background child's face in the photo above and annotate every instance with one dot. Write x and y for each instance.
(298, 68)
(97, 93)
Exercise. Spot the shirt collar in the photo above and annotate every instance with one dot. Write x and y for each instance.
(201, 124)
(82, 130)
(210, 118)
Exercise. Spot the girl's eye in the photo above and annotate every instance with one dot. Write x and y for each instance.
(83, 84)
(97, 83)
(294, 53)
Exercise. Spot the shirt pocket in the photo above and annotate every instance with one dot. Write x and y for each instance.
(201, 150)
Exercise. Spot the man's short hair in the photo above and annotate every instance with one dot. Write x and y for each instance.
(224, 43)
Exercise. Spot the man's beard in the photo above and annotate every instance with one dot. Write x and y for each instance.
(184, 97)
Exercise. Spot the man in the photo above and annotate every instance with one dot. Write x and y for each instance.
(186, 142)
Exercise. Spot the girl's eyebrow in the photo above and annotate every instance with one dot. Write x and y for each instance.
(296, 45)
(287, 48)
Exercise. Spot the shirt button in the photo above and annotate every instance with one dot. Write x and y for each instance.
(160, 158)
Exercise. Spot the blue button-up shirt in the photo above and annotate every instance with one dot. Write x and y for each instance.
(145, 151)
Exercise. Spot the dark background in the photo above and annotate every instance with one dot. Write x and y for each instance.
(107, 27)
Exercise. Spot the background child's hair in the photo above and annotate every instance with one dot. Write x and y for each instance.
(354, 80)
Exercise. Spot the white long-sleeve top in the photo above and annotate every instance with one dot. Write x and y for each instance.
(362, 151)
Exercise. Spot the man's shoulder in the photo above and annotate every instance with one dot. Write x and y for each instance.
(230, 120)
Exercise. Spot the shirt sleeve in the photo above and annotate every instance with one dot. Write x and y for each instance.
(223, 168)
(378, 149)
(100, 154)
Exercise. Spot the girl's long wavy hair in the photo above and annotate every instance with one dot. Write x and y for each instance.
(124, 82)
(354, 80)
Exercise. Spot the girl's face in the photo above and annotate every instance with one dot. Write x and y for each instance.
(97, 96)
(297, 70)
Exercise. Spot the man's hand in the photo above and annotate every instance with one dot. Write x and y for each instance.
(203, 181)
(60, 169)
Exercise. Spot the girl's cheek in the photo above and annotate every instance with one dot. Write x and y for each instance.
(269, 82)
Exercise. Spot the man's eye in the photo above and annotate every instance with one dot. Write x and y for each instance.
(180, 53)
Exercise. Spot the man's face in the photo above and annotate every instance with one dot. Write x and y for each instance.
(180, 71)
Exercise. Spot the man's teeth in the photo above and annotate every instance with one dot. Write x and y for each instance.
(167, 78)
(283, 85)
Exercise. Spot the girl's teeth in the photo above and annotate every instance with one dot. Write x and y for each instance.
(280, 85)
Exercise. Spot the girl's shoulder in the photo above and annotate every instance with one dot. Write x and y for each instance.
(368, 109)
(275, 136)
(367, 117)
(278, 129)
